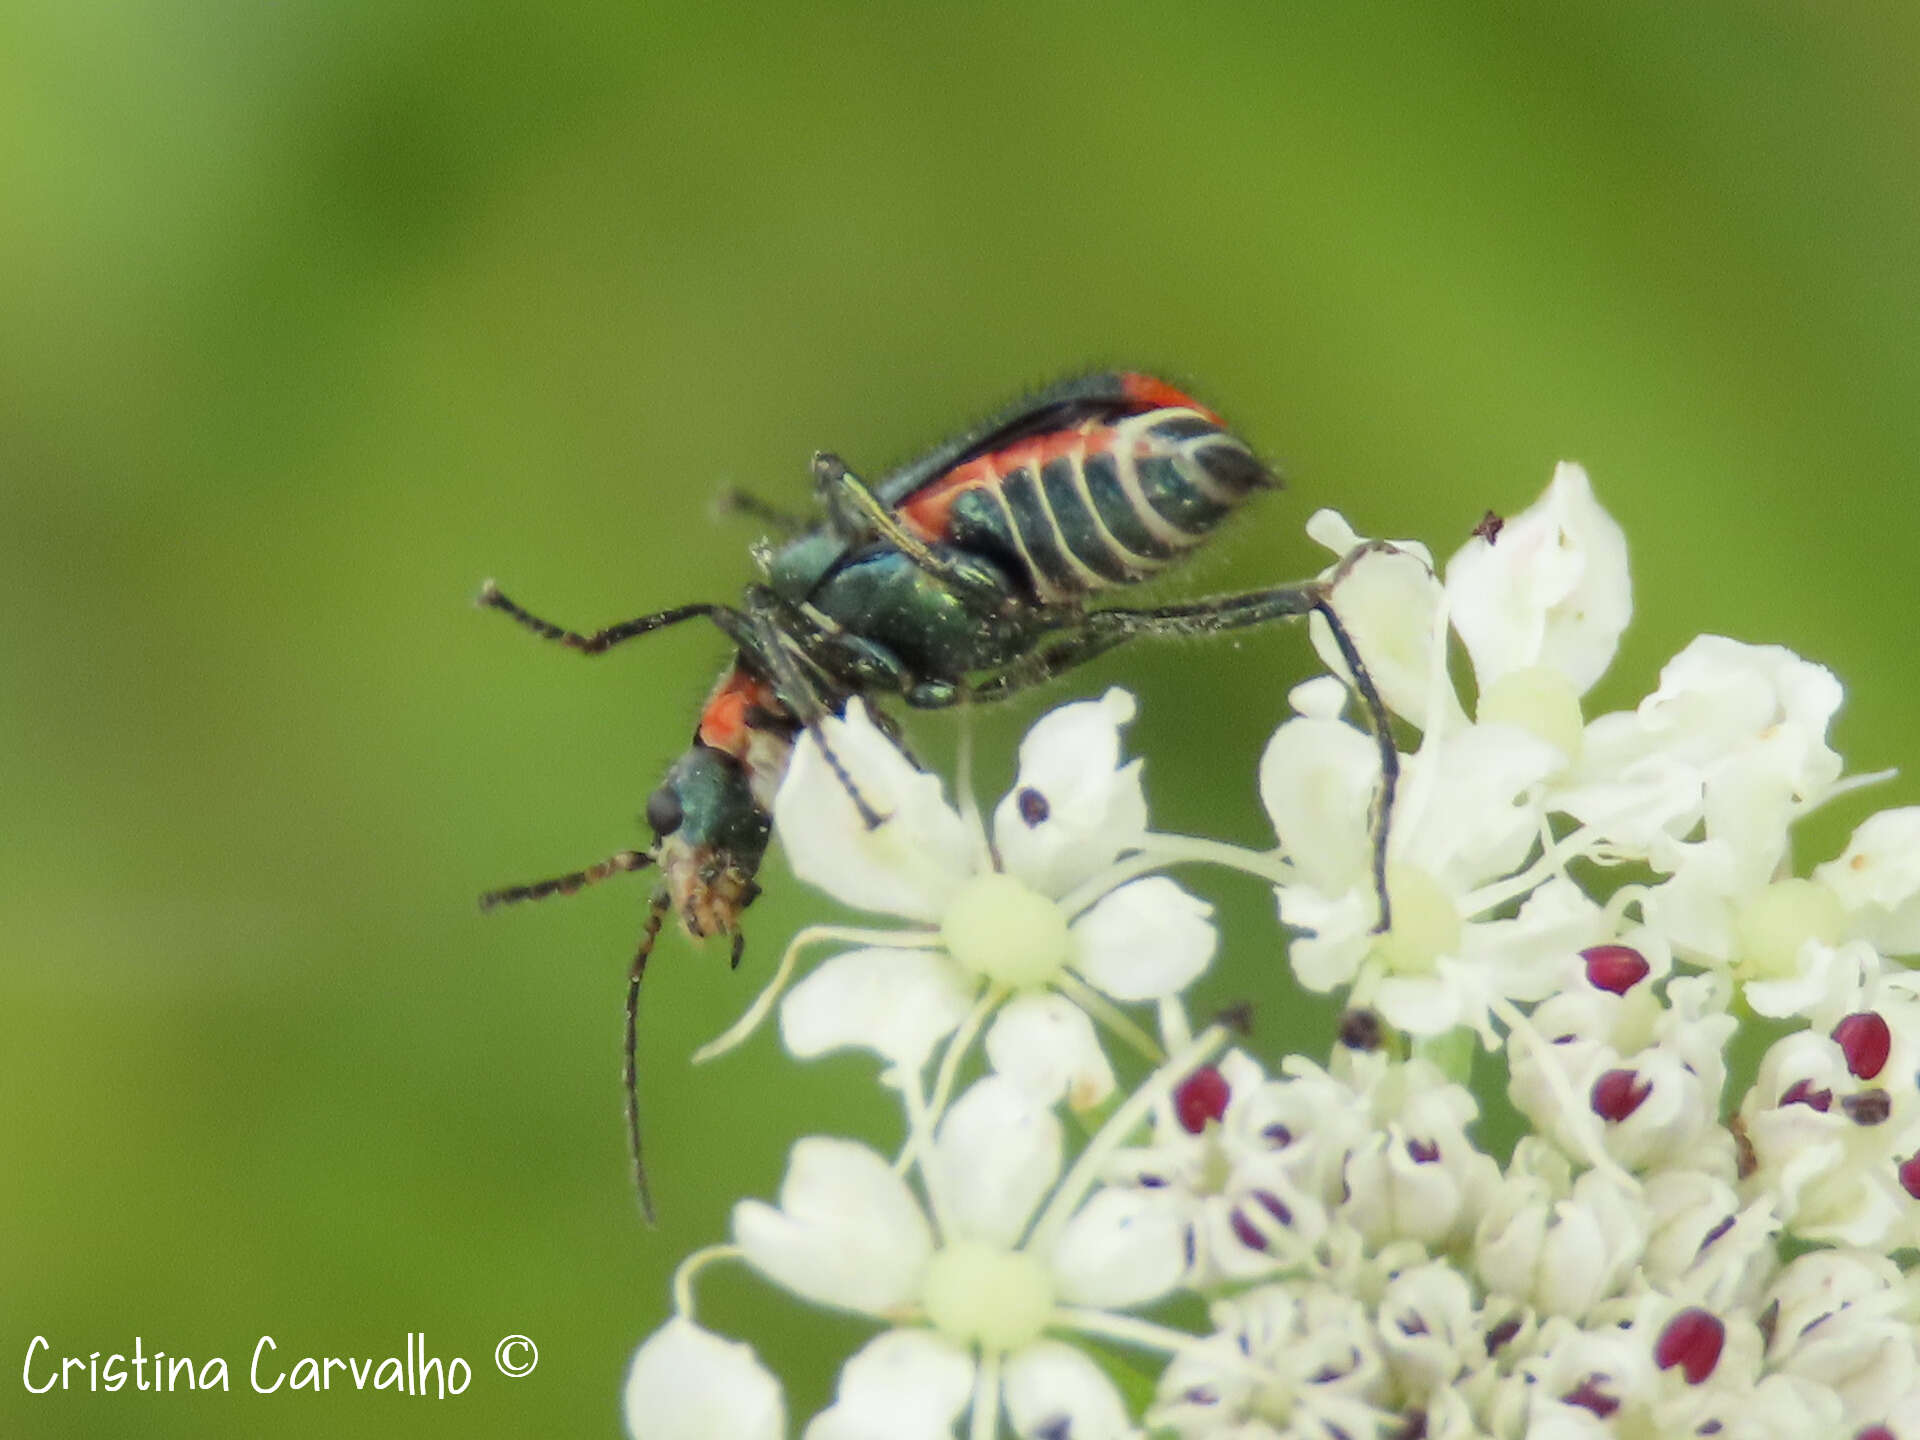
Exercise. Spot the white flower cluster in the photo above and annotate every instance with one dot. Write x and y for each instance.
(1674, 1250)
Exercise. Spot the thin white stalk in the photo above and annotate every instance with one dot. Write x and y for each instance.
(1175, 1028)
(1614, 914)
(1122, 1329)
(690, 1267)
(1577, 1115)
(756, 1013)
(1111, 1136)
(1157, 851)
(985, 1421)
(919, 1137)
(1552, 862)
(957, 1046)
(1110, 1015)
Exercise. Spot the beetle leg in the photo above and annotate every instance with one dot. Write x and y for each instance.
(728, 619)
(858, 511)
(1099, 631)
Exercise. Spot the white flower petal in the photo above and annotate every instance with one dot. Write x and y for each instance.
(1145, 941)
(690, 1384)
(1051, 1389)
(1075, 807)
(902, 1385)
(912, 863)
(1467, 811)
(1878, 879)
(1045, 1044)
(1317, 779)
(1387, 603)
(996, 1156)
(1124, 1247)
(1551, 590)
(1720, 701)
(899, 1003)
(848, 1231)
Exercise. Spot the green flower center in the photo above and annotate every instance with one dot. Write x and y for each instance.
(1426, 923)
(976, 1293)
(1012, 935)
(1538, 699)
(1771, 927)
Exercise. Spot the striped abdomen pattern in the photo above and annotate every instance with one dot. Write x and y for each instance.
(1108, 501)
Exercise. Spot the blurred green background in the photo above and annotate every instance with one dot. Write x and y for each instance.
(312, 315)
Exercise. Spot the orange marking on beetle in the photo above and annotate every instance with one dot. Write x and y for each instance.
(1150, 393)
(723, 720)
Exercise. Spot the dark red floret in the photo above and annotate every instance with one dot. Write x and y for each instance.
(1615, 967)
(1692, 1341)
(1909, 1173)
(1618, 1093)
(1201, 1097)
(1866, 1041)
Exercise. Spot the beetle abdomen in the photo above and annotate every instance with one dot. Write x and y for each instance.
(1106, 501)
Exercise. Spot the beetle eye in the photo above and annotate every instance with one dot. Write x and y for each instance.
(663, 812)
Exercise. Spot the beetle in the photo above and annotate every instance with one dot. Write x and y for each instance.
(961, 576)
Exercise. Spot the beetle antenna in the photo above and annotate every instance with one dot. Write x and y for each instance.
(618, 864)
(656, 912)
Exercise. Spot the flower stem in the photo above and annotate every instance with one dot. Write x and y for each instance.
(957, 1046)
(1123, 1329)
(1157, 851)
(919, 1138)
(690, 1267)
(1576, 1113)
(1552, 862)
(1112, 1135)
(985, 1421)
(1109, 1015)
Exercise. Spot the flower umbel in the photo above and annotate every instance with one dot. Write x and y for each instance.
(1586, 913)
